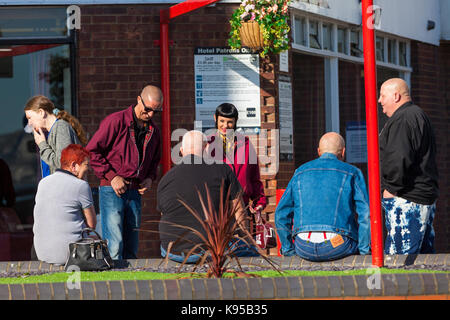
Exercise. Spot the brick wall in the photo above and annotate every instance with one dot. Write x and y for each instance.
(430, 89)
(118, 56)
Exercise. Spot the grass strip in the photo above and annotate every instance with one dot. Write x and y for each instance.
(144, 275)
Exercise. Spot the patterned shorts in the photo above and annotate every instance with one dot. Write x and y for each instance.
(409, 226)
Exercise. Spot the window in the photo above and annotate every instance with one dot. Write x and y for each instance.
(18, 22)
(314, 35)
(300, 31)
(37, 56)
(402, 53)
(392, 51)
(342, 40)
(327, 37)
(355, 47)
(380, 48)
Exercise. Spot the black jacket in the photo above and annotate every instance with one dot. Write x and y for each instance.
(408, 152)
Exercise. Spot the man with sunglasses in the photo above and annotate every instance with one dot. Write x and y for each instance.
(125, 153)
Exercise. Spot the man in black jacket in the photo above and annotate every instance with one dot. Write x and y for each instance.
(409, 177)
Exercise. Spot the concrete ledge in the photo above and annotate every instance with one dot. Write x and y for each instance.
(353, 262)
(373, 284)
(236, 289)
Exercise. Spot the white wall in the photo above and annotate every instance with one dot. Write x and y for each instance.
(445, 19)
(404, 18)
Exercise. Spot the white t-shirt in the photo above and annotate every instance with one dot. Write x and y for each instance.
(58, 215)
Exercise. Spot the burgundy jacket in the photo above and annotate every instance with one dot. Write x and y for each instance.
(245, 166)
(113, 150)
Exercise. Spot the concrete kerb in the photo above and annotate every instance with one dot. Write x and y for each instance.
(369, 285)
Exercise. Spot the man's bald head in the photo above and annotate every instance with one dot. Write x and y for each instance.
(332, 142)
(393, 94)
(194, 142)
(152, 93)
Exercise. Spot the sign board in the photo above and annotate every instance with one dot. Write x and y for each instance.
(227, 75)
(356, 142)
(284, 61)
(285, 117)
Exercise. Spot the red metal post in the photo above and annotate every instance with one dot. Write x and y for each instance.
(165, 16)
(373, 156)
(165, 87)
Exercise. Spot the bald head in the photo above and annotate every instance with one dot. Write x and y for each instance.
(193, 143)
(152, 93)
(332, 142)
(393, 94)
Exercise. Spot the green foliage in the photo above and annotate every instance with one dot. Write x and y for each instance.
(272, 17)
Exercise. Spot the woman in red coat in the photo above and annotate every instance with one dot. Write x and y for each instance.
(237, 151)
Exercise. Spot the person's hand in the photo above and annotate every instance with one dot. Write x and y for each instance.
(387, 194)
(256, 209)
(145, 185)
(119, 185)
(39, 136)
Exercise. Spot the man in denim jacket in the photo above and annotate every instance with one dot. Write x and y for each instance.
(324, 212)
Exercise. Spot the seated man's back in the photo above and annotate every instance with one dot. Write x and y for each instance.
(183, 182)
(319, 207)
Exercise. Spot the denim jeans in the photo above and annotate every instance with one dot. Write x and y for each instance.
(409, 226)
(193, 258)
(324, 251)
(242, 250)
(120, 219)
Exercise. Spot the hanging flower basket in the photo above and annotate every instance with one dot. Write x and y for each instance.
(251, 35)
(261, 25)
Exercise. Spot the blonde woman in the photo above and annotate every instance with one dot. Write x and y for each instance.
(53, 130)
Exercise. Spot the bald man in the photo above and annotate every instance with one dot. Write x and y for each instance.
(409, 177)
(182, 183)
(125, 153)
(316, 217)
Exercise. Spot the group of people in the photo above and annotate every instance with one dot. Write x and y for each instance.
(323, 214)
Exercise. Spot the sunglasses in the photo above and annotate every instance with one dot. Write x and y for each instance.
(148, 109)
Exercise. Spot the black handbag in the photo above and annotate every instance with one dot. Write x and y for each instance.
(89, 254)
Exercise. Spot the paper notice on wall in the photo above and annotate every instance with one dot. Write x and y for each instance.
(227, 75)
(285, 116)
(356, 142)
(284, 61)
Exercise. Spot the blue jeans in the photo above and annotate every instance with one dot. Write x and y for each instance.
(324, 251)
(193, 258)
(409, 226)
(120, 219)
(242, 250)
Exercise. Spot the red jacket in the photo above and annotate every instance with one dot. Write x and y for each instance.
(245, 166)
(113, 150)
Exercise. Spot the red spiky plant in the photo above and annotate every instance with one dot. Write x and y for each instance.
(222, 234)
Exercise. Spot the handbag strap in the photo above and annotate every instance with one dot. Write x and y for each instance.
(89, 230)
(259, 218)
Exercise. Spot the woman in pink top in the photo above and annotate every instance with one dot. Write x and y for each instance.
(237, 151)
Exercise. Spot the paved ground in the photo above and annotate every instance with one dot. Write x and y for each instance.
(371, 285)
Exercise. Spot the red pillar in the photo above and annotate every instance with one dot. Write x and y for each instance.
(373, 157)
(165, 87)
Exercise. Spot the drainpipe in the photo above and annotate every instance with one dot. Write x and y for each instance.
(373, 157)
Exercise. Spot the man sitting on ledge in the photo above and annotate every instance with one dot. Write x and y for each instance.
(316, 217)
(182, 183)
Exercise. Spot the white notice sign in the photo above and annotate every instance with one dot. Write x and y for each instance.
(227, 75)
(285, 114)
(356, 142)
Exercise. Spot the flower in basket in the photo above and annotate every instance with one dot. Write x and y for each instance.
(270, 17)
